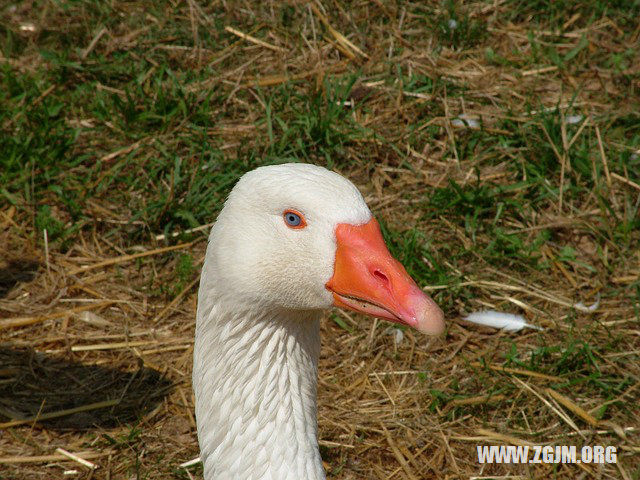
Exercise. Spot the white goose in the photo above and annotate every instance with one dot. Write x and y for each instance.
(292, 240)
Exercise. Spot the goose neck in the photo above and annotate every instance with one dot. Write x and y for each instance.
(255, 381)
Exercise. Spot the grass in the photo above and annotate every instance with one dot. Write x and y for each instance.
(497, 143)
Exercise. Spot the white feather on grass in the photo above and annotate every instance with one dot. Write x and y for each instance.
(506, 321)
(591, 308)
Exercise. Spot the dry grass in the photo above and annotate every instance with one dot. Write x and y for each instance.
(501, 156)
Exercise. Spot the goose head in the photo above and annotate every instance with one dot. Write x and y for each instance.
(300, 237)
(291, 241)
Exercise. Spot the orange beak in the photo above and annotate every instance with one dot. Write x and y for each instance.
(367, 279)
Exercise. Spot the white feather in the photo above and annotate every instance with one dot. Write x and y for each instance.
(508, 322)
(398, 335)
(465, 121)
(573, 119)
(591, 308)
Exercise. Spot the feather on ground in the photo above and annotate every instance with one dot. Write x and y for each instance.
(508, 322)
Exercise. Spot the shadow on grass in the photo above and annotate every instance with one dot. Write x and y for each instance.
(15, 271)
(33, 384)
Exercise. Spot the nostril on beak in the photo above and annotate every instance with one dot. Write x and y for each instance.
(381, 276)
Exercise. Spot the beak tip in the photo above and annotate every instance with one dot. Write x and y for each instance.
(430, 319)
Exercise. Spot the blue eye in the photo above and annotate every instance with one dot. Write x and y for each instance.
(294, 219)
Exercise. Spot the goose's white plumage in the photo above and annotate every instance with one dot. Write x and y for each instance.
(263, 288)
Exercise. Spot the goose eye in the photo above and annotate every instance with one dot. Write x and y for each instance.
(294, 219)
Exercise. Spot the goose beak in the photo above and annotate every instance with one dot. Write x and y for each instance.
(367, 279)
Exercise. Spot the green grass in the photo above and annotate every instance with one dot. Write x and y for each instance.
(177, 175)
(557, 13)
(180, 181)
(309, 126)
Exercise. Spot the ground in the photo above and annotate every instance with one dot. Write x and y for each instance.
(497, 142)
